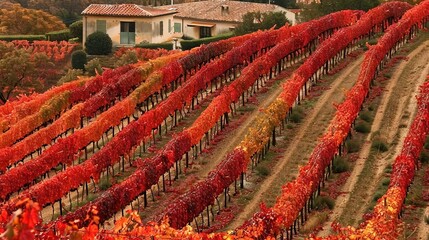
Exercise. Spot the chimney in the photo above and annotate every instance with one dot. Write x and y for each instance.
(224, 9)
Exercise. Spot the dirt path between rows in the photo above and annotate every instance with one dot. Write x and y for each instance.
(387, 127)
(303, 141)
(230, 137)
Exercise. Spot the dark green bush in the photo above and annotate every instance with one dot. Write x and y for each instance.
(63, 35)
(263, 171)
(424, 156)
(168, 46)
(386, 182)
(76, 29)
(362, 127)
(188, 44)
(323, 202)
(366, 116)
(340, 165)
(29, 38)
(377, 196)
(296, 117)
(98, 43)
(79, 59)
(379, 145)
(353, 145)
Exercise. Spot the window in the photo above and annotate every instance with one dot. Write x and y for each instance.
(101, 26)
(205, 32)
(161, 28)
(177, 27)
(169, 26)
(128, 32)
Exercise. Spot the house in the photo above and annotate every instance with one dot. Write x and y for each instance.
(213, 17)
(307, 1)
(128, 24)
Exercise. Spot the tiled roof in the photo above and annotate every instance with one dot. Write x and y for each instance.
(219, 10)
(126, 10)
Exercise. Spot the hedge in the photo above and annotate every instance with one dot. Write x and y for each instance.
(62, 35)
(188, 44)
(29, 38)
(168, 46)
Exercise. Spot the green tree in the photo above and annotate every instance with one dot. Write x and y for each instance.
(252, 21)
(314, 10)
(76, 29)
(98, 43)
(79, 59)
(20, 71)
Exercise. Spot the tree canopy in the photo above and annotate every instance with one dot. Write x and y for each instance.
(20, 71)
(19, 20)
(314, 10)
(252, 21)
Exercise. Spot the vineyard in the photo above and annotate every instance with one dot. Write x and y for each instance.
(317, 131)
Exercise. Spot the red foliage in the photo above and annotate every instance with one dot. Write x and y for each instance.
(56, 51)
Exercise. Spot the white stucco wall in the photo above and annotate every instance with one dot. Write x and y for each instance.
(194, 32)
(146, 29)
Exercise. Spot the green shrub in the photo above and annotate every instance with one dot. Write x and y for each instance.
(78, 59)
(168, 46)
(365, 116)
(188, 44)
(30, 38)
(76, 29)
(377, 196)
(424, 156)
(386, 182)
(263, 171)
(104, 184)
(362, 127)
(93, 67)
(323, 202)
(98, 43)
(62, 35)
(379, 145)
(340, 165)
(71, 75)
(353, 145)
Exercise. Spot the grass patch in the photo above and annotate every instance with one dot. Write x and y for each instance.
(377, 195)
(262, 170)
(363, 127)
(324, 202)
(424, 156)
(340, 165)
(388, 169)
(385, 182)
(246, 109)
(387, 75)
(317, 219)
(353, 145)
(104, 184)
(379, 145)
(295, 117)
(366, 116)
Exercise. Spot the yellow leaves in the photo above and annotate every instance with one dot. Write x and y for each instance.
(19, 20)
